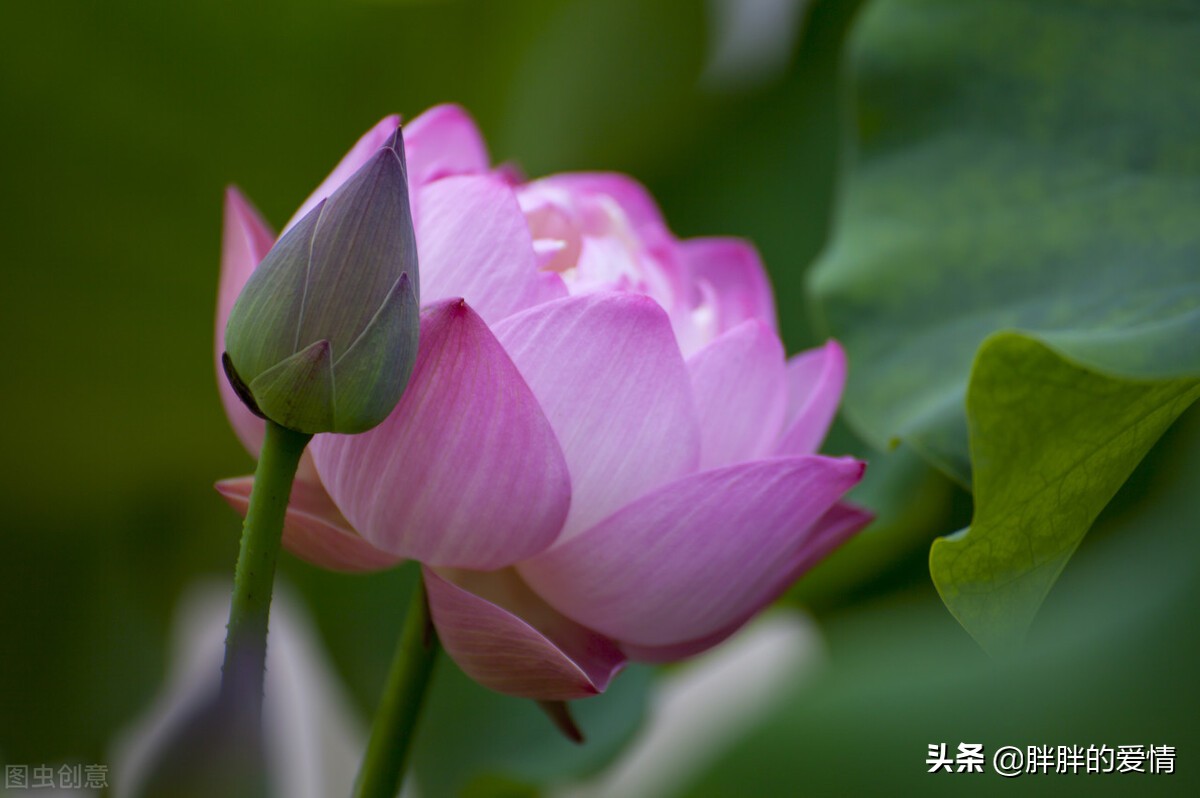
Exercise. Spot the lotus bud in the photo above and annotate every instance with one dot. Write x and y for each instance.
(324, 335)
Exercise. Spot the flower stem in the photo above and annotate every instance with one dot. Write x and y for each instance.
(246, 640)
(395, 722)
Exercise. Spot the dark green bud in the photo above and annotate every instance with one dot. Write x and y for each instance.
(324, 335)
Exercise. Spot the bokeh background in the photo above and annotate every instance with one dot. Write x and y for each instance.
(122, 123)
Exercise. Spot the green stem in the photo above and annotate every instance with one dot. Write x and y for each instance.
(395, 722)
(246, 640)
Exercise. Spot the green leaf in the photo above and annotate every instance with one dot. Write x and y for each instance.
(1051, 443)
(1103, 667)
(1025, 166)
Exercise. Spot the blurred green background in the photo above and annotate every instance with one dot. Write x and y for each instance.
(124, 121)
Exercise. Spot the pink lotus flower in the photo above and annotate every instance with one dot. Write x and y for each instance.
(602, 453)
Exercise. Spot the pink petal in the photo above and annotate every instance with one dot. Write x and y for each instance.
(506, 638)
(734, 269)
(473, 242)
(550, 287)
(511, 173)
(246, 238)
(691, 558)
(740, 392)
(443, 141)
(359, 154)
(838, 525)
(815, 382)
(466, 472)
(314, 530)
(611, 380)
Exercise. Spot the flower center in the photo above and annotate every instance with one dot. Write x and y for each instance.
(592, 244)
